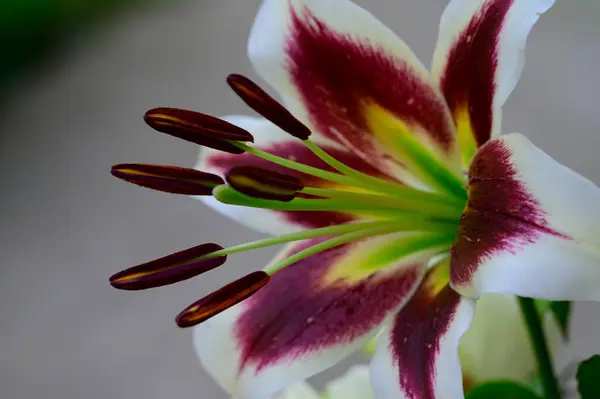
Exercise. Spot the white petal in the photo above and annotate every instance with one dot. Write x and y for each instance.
(300, 390)
(478, 60)
(417, 354)
(311, 315)
(215, 345)
(259, 219)
(352, 80)
(354, 384)
(272, 30)
(531, 226)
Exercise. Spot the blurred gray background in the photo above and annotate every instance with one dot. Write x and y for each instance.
(67, 225)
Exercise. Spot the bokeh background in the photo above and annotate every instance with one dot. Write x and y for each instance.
(75, 79)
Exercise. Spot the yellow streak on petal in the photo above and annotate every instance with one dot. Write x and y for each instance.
(387, 128)
(370, 347)
(438, 278)
(410, 146)
(354, 265)
(383, 253)
(466, 136)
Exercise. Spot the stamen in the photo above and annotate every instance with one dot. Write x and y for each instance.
(263, 183)
(401, 223)
(364, 180)
(198, 128)
(381, 186)
(222, 299)
(170, 269)
(257, 99)
(297, 166)
(170, 179)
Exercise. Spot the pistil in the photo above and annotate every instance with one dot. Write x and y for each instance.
(366, 204)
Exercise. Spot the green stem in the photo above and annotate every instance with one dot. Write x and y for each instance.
(540, 347)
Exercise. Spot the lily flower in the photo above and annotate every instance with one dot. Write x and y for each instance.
(400, 201)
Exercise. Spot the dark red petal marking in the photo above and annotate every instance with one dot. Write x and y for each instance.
(501, 214)
(222, 299)
(170, 269)
(197, 128)
(170, 179)
(337, 74)
(416, 337)
(297, 313)
(257, 99)
(263, 183)
(468, 79)
(298, 152)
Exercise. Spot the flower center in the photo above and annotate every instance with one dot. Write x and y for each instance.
(380, 207)
(383, 207)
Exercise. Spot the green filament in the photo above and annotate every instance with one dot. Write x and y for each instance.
(421, 202)
(297, 166)
(331, 243)
(364, 180)
(301, 235)
(228, 195)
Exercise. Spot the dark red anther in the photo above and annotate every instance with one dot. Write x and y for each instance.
(263, 183)
(258, 99)
(197, 128)
(222, 299)
(170, 179)
(169, 269)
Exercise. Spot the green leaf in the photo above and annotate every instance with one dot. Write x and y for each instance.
(562, 313)
(588, 377)
(561, 310)
(501, 390)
